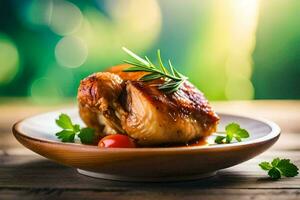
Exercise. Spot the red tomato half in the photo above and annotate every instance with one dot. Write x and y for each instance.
(116, 141)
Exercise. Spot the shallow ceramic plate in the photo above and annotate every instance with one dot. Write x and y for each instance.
(145, 164)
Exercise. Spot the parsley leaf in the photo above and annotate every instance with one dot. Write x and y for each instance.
(64, 121)
(280, 167)
(87, 135)
(66, 136)
(287, 168)
(219, 139)
(275, 162)
(274, 173)
(70, 130)
(233, 131)
(265, 166)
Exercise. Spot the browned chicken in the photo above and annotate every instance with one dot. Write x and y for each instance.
(116, 102)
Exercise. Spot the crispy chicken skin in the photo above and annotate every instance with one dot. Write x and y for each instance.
(116, 102)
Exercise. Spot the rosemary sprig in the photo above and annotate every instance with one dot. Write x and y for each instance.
(173, 79)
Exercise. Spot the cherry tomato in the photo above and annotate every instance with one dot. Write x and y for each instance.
(116, 141)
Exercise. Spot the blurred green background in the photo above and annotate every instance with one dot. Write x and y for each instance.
(230, 49)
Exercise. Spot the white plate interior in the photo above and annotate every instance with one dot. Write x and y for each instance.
(43, 126)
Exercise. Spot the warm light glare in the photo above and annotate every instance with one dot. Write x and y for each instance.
(224, 52)
(239, 64)
(239, 88)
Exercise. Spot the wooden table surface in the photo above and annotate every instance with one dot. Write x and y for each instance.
(26, 175)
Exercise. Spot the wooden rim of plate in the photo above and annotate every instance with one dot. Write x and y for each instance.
(273, 135)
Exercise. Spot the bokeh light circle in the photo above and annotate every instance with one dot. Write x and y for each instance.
(44, 90)
(9, 59)
(71, 52)
(66, 17)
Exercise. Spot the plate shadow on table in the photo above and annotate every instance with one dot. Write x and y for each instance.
(59, 176)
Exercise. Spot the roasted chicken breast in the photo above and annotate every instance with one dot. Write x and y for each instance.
(117, 102)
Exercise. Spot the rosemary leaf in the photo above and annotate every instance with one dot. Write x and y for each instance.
(173, 79)
(150, 77)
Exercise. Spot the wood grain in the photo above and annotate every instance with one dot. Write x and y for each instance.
(25, 175)
(207, 194)
(27, 171)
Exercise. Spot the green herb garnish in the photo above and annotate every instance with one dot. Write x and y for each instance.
(70, 130)
(87, 135)
(173, 79)
(233, 131)
(280, 167)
